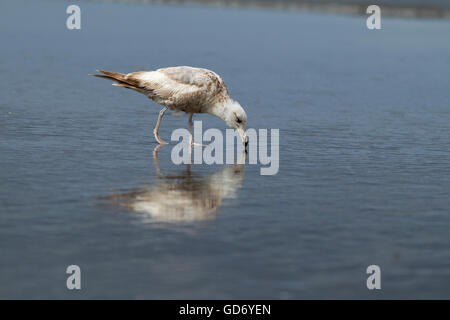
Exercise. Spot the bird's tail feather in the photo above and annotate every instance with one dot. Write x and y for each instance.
(112, 75)
(121, 84)
(120, 78)
(103, 76)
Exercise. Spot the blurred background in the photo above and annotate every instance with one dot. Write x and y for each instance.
(405, 8)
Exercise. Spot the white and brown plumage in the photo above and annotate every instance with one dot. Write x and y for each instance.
(188, 89)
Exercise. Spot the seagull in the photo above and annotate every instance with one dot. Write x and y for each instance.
(187, 89)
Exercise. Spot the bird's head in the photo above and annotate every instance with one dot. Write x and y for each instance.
(234, 116)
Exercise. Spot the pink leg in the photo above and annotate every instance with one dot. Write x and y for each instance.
(190, 132)
(155, 131)
(191, 140)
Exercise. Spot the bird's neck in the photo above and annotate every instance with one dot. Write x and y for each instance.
(218, 109)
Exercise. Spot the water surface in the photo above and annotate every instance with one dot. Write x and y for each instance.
(364, 156)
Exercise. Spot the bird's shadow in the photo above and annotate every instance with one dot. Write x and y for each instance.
(177, 198)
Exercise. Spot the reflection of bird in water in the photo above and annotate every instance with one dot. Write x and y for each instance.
(185, 197)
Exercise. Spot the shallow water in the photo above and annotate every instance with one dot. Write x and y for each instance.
(364, 156)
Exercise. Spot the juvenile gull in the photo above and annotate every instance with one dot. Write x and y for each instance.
(188, 89)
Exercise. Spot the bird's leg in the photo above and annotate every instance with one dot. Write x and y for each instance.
(191, 139)
(155, 131)
(155, 159)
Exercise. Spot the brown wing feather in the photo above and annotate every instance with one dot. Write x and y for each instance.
(114, 75)
(123, 80)
(103, 76)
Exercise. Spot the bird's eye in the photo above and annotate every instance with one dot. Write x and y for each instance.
(238, 120)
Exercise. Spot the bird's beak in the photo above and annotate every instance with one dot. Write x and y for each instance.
(243, 136)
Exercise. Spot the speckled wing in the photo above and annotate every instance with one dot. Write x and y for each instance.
(192, 76)
(182, 88)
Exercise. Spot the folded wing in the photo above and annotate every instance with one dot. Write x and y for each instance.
(181, 88)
